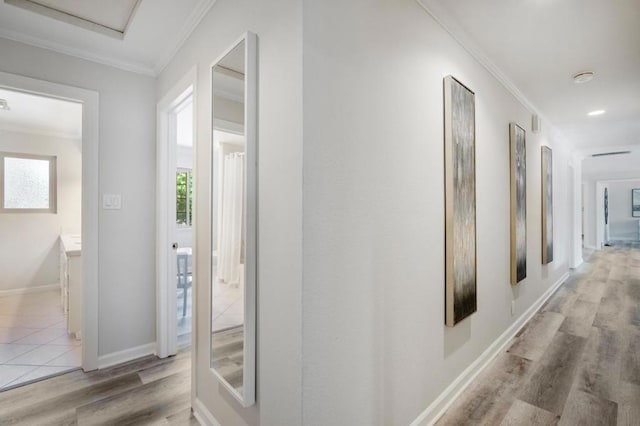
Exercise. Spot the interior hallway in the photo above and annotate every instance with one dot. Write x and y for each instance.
(576, 362)
(146, 391)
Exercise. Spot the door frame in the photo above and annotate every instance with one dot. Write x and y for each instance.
(166, 320)
(90, 197)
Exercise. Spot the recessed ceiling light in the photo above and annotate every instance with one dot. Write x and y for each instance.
(583, 77)
(597, 112)
(4, 105)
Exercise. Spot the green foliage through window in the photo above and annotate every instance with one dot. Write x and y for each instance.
(184, 197)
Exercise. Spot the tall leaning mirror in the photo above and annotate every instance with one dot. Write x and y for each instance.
(233, 219)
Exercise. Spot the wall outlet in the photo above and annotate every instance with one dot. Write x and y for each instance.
(513, 307)
(111, 201)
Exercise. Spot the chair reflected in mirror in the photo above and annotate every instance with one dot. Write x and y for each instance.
(184, 279)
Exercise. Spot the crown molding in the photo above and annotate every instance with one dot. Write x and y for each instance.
(77, 53)
(39, 132)
(449, 24)
(187, 29)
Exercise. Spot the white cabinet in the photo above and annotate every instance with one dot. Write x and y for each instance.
(71, 282)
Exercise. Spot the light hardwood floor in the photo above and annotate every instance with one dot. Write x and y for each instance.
(147, 391)
(577, 362)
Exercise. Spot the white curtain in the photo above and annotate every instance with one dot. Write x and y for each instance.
(231, 238)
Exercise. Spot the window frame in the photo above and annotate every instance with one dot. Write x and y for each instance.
(189, 173)
(53, 182)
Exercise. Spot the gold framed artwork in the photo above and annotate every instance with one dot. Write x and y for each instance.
(460, 201)
(547, 205)
(518, 171)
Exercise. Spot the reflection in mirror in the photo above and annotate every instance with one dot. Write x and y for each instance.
(232, 225)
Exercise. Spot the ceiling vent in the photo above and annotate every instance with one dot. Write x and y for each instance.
(604, 154)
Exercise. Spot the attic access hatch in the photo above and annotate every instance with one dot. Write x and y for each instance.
(111, 18)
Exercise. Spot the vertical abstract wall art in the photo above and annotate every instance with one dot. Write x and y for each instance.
(547, 206)
(635, 202)
(460, 201)
(518, 171)
(606, 206)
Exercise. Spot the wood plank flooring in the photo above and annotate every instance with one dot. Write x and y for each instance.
(577, 362)
(146, 391)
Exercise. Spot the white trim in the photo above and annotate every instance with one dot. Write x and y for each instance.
(126, 355)
(199, 11)
(449, 24)
(166, 322)
(40, 132)
(69, 18)
(78, 53)
(90, 198)
(228, 126)
(438, 407)
(27, 290)
(204, 416)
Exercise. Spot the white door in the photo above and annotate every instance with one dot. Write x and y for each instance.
(175, 217)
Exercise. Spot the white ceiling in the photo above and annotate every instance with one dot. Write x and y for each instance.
(112, 16)
(626, 166)
(537, 45)
(155, 32)
(40, 115)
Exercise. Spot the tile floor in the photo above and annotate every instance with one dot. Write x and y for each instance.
(33, 340)
(228, 306)
(228, 311)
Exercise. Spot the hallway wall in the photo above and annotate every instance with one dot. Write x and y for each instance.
(127, 166)
(29, 255)
(622, 225)
(375, 347)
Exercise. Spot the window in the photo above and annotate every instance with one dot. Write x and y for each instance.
(184, 197)
(27, 183)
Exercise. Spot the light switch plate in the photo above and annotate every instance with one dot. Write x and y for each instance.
(112, 201)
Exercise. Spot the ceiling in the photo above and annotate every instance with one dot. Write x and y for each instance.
(136, 35)
(536, 46)
(40, 115)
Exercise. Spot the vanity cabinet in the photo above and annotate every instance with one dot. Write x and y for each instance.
(71, 282)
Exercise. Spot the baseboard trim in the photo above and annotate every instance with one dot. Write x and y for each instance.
(126, 355)
(203, 415)
(27, 290)
(438, 407)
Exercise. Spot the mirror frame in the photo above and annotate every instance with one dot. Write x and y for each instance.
(248, 397)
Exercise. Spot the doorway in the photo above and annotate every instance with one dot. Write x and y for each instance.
(175, 217)
(48, 207)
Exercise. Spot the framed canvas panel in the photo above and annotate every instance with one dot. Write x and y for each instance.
(547, 205)
(606, 206)
(635, 202)
(460, 201)
(518, 170)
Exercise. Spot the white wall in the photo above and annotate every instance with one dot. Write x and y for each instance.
(127, 166)
(375, 348)
(622, 225)
(29, 254)
(278, 26)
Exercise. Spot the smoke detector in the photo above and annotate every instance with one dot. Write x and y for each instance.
(583, 77)
(4, 105)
